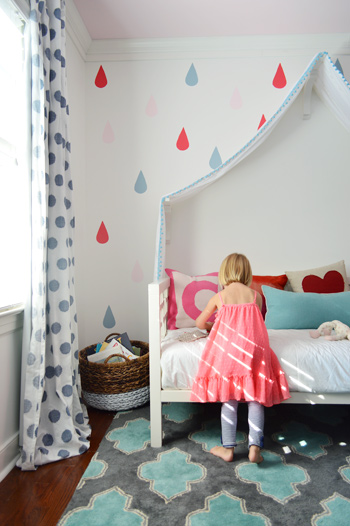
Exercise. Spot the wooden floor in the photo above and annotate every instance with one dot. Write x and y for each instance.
(39, 498)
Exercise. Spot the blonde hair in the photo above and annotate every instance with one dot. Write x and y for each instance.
(235, 268)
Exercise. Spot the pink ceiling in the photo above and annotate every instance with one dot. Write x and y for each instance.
(204, 18)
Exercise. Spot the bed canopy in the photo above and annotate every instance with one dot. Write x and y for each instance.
(331, 87)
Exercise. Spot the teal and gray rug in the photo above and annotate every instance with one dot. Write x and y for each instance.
(304, 479)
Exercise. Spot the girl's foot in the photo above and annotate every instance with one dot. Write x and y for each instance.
(255, 455)
(226, 453)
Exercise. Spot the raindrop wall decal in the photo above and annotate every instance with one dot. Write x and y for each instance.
(279, 80)
(215, 159)
(236, 100)
(262, 121)
(137, 274)
(109, 320)
(191, 77)
(338, 66)
(182, 141)
(140, 185)
(151, 108)
(102, 234)
(101, 79)
(108, 133)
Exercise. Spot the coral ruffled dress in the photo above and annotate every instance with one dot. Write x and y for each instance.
(237, 362)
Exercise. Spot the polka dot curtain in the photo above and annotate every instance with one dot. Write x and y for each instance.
(54, 422)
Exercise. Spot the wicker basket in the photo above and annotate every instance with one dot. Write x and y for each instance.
(115, 386)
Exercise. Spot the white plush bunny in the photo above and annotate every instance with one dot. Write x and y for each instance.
(332, 330)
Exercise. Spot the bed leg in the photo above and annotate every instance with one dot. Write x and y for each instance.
(156, 422)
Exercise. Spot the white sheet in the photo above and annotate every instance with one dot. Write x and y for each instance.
(317, 366)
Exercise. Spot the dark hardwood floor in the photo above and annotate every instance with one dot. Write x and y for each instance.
(39, 498)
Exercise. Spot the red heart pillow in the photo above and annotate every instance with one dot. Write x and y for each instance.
(332, 281)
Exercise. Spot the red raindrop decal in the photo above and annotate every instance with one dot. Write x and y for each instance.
(262, 121)
(279, 80)
(182, 142)
(101, 79)
(102, 234)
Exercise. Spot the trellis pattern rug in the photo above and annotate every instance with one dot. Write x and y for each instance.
(304, 478)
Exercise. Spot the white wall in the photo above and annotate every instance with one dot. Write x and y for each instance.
(112, 277)
(10, 382)
(285, 206)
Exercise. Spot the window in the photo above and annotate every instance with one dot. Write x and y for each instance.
(14, 180)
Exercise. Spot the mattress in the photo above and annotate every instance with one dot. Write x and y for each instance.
(311, 365)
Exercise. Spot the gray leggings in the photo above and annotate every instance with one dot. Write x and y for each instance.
(229, 423)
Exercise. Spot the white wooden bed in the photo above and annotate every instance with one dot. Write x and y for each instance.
(158, 305)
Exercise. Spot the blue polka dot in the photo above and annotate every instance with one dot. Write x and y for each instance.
(43, 30)
(52, 75)
(58, 371)
(44, 398)
(63, 453)
(60, 222)
(48, 53)
(36, 382)
(36, 106)
(82, 449)
(63, 306)
(67, 203)
(62, 263)
(67, 436)
(52, 34)
(52, 243)
(30, 431)
(27, 405)
(79, 418)
(54, 285)
(43, 450)
(52, 116)
(48, 440)
(52, 158)
(54, 416)
(30, 358)
(52, 200)
(50, 371)
(67, 390)
(58, 138)
(59, 180)
(55, 328)
(65, 348)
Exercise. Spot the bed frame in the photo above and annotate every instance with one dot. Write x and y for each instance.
(158, 293)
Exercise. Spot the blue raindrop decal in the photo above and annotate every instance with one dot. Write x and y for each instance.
(338, 66)
(215, 159)
(109, 320)
(192, 77)
(140, 185)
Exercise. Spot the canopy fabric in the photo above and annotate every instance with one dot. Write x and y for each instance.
(332, 88)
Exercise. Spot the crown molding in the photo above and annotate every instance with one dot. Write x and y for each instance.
(199, 48)
(76, 29)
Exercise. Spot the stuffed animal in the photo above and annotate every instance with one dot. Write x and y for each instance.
(332, 330)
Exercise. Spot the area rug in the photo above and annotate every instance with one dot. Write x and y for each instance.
(304, 478)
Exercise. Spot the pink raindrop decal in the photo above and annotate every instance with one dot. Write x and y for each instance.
(102, 234)
(140, 185)
(279, 80)
(109, 320)
(137, 274)
(182, 142)
(236, 100)
(108, 133)
(151, 108)
(101, 79)
(262, 121)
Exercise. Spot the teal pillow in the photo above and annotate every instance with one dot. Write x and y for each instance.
(304, 310)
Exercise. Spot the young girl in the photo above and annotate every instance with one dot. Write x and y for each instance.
(237, 363)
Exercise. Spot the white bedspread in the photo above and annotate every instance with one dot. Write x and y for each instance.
(317, 366)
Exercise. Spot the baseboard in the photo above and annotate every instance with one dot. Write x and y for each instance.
(9, 454)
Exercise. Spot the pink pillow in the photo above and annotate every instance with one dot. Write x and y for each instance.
(188, 296)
